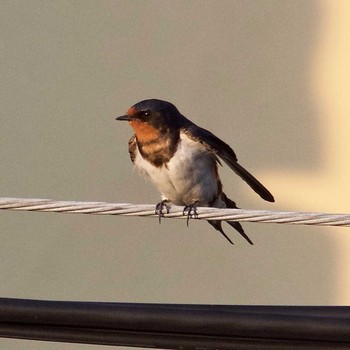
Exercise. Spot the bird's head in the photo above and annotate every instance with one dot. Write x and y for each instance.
(150, 117)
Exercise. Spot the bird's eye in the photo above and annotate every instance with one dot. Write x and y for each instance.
(146, 113)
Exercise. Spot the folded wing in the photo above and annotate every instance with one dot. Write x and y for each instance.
(226, 153)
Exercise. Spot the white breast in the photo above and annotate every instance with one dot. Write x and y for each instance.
(189, 176)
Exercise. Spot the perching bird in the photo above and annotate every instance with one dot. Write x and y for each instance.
(181, 159)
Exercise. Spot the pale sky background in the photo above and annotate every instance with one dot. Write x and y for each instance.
(271, 78)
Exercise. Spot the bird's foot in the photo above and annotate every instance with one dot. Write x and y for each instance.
(160, 207)
(190, 211)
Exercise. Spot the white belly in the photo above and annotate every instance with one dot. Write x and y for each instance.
(188, 177)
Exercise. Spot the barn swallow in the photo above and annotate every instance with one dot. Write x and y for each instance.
(181, 159)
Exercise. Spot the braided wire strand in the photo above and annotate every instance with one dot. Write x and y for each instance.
(127, 209)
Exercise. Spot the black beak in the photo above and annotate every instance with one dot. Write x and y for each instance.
(123, 117)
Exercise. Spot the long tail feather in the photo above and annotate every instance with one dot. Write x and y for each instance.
(217, 225)
(224, 201)
(236, 225)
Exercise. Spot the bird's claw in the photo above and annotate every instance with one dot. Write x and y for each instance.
(160, 209)
(190, 211)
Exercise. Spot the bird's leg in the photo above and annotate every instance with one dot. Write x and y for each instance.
(191, 211)
(160, 208)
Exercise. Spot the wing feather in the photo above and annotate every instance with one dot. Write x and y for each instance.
(132, 148)
(226, 153)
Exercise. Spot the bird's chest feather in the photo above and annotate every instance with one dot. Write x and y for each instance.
(190, 174)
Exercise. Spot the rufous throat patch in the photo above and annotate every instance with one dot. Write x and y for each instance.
(144, 131)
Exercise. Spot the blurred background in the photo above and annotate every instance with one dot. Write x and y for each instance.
(271, 78)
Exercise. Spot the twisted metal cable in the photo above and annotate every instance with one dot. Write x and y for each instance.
(127, 209)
